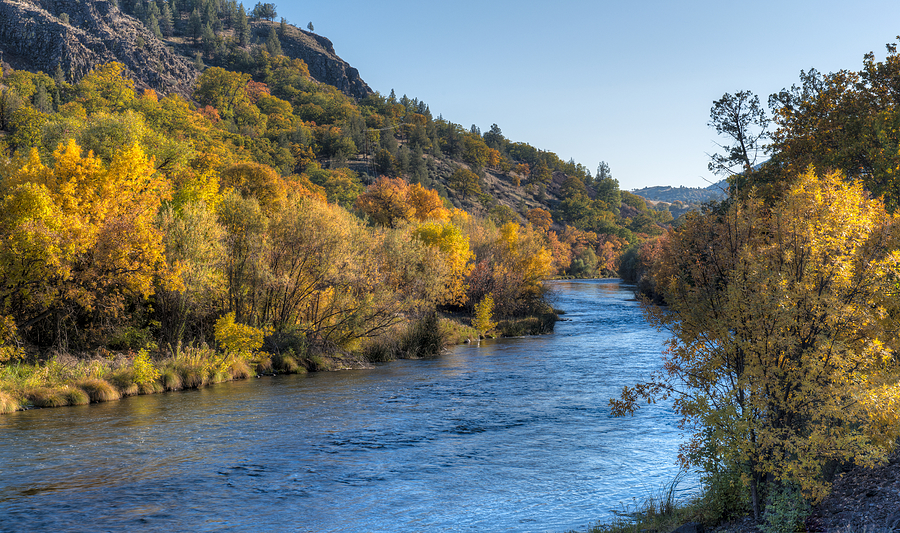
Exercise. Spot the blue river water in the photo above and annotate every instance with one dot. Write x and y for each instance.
(506, 435)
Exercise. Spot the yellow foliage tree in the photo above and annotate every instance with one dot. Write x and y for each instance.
(783, 320)
(79, 236)
(454, 246)
(484, 313)
(105, 89)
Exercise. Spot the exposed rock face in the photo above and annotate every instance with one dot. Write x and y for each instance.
(318, 53)
(34, 36)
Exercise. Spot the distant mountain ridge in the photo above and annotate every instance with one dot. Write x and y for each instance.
(685, 195)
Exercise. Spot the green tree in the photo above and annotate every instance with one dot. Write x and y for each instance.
(742, 121)
(273, 45)
(242, 27)
(465, 181)
(195, 26)
(166, 21)
(264, 11)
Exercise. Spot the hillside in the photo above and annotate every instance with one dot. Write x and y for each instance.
(74, 36)
(685, 195)
(273, 94)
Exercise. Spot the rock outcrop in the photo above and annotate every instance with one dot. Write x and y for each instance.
(324, 64)
(77, 35)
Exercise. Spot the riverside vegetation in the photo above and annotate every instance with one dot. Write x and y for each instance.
(782, 302)
(268, 223)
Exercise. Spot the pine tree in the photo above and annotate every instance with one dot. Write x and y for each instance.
(273, 45)
(208, 40)
(153, 26)
(242, 26)
(196, 25)
(166, 21)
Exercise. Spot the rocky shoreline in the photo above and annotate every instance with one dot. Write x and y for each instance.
(862, 499)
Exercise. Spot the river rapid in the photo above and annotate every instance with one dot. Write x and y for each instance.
(506, 435)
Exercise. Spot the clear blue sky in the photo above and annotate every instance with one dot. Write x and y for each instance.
(629, 83)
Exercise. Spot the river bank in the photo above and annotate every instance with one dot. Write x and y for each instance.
(60, 379)
(510, 434)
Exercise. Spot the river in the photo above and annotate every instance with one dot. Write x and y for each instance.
(506, 435)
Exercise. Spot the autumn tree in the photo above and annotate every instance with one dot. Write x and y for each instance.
(783, 326)
(510, 265)
(386, 202)
(79, 239)
(224, 90)
(105, 88)
(446, 237)
(257, 181)
(390, 201)
(540, 218)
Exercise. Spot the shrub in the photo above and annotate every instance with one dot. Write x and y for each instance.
(484, 312)
(238, 339)
(143, 370)
(786, 511)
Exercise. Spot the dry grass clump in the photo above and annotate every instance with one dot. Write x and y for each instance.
(192, 376)
(123, 379)
(8, 404)
(285, 363)
(151, 387)
(240, 369)
(171, 379)
(219, 376)
(46, 397)
(75, 396)
(99, 390)
(264, 366)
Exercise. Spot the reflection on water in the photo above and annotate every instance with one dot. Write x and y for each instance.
(506, 435)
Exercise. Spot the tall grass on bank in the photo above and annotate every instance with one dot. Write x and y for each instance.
(661, 512)
(66, 380)
(416, 339)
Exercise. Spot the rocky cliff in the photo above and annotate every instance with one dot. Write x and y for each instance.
(318, 53)
(35, 35)
(77, 35)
